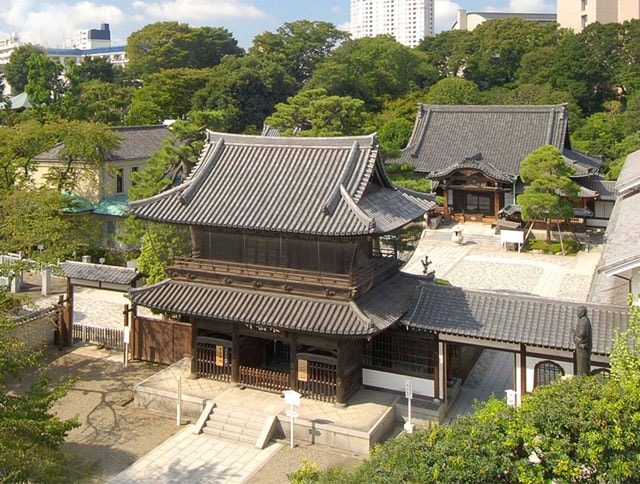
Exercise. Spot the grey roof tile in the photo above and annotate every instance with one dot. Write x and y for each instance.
(367, 316)
(99, 272)
(136, 143)
(629, 178)
(317, 186)
(604, 188)
(504, 135)
(513, 318)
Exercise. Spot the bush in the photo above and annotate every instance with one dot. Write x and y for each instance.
(571, 246)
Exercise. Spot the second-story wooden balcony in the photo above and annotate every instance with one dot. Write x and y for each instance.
(284, 280)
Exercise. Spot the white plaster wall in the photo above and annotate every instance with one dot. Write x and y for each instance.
(395, 382)
(532, 362)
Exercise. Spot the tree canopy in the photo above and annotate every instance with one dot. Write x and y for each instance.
(171, 45)
(550, 192)
(16, 72)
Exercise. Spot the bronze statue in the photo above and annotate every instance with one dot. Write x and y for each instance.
(582, 339)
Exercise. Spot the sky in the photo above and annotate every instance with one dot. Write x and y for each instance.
(53, 23)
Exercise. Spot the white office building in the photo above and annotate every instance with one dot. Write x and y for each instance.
(409, 21)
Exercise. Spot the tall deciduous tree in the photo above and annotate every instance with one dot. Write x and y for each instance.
(170, 45)
(551, 193)
(45, 83)
(374, 70)
(246, 89)
(299, 46)
(17, 69)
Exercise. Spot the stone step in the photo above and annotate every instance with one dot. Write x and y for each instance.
(239, 421)
(239, 437)
(233, 427)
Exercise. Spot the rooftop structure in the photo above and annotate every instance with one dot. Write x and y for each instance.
(470, 20)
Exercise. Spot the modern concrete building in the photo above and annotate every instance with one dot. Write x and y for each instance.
(470, 20)
(93, 38)
(577, 14)
(409, 21)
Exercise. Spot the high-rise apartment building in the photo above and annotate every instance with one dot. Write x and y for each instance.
(577, 14)
(93, 38)
(406, 20)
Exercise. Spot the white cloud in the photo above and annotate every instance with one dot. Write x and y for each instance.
(446, 14)
(54, 24)
(336, 9)
(525, 6)
(200, 11)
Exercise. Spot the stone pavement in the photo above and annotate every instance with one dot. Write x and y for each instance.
(187, 457)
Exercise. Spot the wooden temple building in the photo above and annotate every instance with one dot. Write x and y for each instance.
(293, 282)
(472, 156)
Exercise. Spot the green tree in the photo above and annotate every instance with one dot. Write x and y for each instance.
(499, 46)
(299, 46)
(85, 147)
(45, 83)
(165, 169)
(32, 217)
(316, 114)
(16, 71)
(171, 91)
(246, 89)
(98, 102)
(30, 434)
(454, 90)
(19, 144)
(171, 45)
(448, 51)
(90, 69)
(550, 192)
(374, 70)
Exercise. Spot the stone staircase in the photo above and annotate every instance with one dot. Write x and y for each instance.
(237, 424)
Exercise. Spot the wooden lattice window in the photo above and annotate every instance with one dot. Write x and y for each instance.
(401, 353)
(546, 372)
(603, 372)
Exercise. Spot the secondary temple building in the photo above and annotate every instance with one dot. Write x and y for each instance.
(472, 156)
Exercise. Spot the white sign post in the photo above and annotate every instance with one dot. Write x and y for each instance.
(291, 397)
(125, 339)
(179, 402)
(512, 400)
(408, 393)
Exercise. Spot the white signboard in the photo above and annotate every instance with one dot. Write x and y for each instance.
(408, 390)
(291, 397)
(511, 236)
(125, 334)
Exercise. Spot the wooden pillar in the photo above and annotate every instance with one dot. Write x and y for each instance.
(341, 384)
(496, 203)
(235, 354)
(523, 371)
(436, 369)
(61, 324)
(293, 362)
(133, 335)
(68, 319)
(445, 192)
(194, 352)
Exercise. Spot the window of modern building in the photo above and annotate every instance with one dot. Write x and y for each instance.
(120, 181)
(585, 21)
(585, 4)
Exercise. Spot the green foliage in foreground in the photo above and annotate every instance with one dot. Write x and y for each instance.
(30, 435)
(570, 246)
(575, 430)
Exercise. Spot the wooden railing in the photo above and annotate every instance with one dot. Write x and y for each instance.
(263, 379)
(332, 285)
(108, 337)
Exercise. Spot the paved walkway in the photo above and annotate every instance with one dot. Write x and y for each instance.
(187, 457)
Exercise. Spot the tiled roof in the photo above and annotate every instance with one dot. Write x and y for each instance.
(604, 188)
(314, 186)
(364, 317)
(629, 178)
(622, 245)
(504, 135)
(513, 318)
(99, 272)
(136, 143)
(473, 163)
